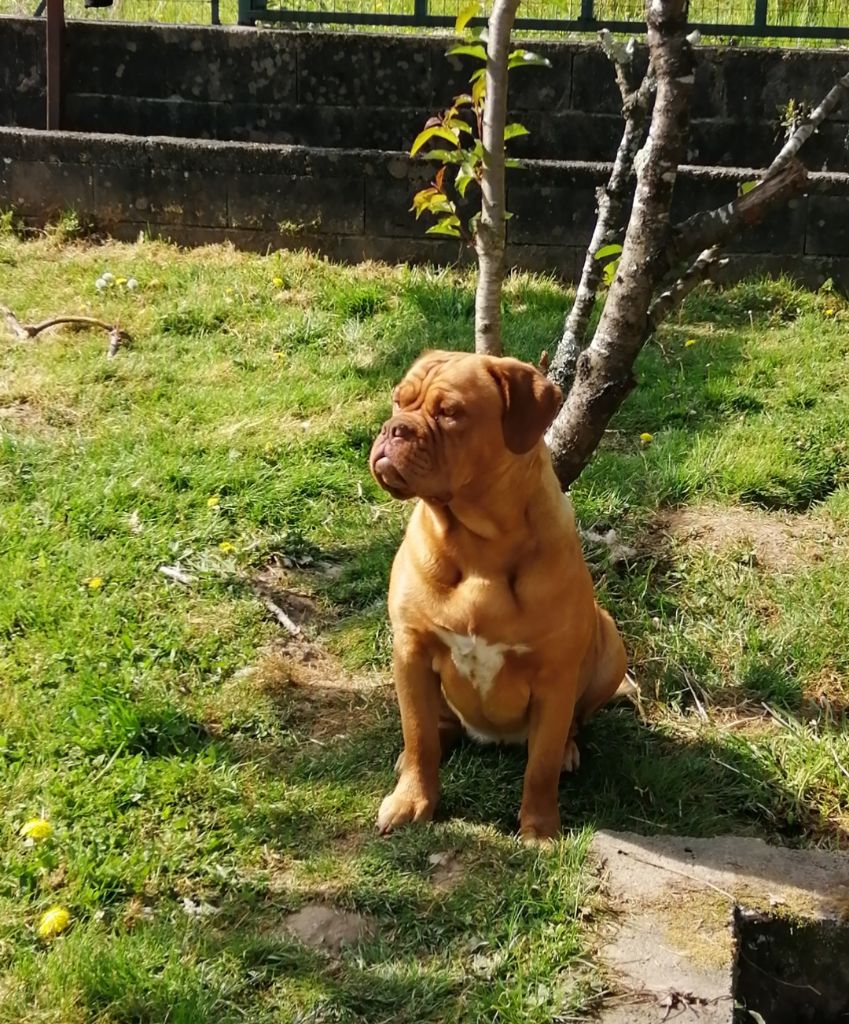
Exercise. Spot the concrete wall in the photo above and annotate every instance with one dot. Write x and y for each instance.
(354, 204)
(373, 91)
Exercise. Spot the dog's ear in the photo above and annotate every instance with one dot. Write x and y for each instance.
(530, 400)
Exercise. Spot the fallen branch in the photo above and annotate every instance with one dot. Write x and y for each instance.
(25, 332)
(178, 575)
(278, 613)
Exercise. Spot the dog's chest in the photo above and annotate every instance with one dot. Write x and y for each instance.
(477, 660)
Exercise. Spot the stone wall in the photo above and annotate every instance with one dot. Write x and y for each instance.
(372, 91)
(354, 204)
(277, 138)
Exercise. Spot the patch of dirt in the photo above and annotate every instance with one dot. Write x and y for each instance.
(774, 541)
(447, 870)
(328, 929)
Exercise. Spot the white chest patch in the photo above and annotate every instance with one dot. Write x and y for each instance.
(477, 659)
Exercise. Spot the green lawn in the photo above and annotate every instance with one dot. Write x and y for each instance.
(184, 748)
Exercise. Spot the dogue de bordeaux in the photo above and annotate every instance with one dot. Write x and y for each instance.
(496, 629)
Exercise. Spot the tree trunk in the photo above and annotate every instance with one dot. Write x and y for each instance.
(604, 373)
(612, 199)
(490, 240)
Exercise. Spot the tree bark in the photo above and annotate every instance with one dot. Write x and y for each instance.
(490, 238)
(604, 373)
(636, 105)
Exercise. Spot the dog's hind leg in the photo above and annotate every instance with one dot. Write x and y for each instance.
(607, 674)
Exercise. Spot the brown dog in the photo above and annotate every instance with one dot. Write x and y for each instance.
(496, 628)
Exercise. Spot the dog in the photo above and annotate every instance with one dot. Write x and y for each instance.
(496, 631)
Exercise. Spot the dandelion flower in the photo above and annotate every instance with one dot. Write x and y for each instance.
(36, 829)
(214, 501)
(53, 922)
(101, 283)
(95, 583)
(646, 437)
(829, 312)
(120, 280)
(107, 277)
(277, 282)
(689, 342)
(226, 546)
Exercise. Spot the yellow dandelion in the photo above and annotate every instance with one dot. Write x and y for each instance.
(689, 342)
(277, 282)
(53, 922)
(828, 312)
(120, 280)
(646, 438)
(95, 583)
(226, 546)
(214, 501)
(37, 829)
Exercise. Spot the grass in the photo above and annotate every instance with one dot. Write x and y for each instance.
(781, 13)
(184, 752)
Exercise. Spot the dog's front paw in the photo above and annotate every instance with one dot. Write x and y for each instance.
(401, 807)
(539, 829)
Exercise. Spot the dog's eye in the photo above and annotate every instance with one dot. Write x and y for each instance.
(448, 411)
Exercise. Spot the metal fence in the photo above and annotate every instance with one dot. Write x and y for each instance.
(773, 19)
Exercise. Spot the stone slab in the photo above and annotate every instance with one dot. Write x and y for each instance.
(670, 945)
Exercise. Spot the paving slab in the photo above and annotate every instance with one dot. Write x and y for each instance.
(671, 941)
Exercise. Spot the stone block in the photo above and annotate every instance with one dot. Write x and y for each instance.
(307, 205)
(340, 72)
(828, 226)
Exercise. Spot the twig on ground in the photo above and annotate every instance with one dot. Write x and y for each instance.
(278, 613)
(25, 332)
(174, 572)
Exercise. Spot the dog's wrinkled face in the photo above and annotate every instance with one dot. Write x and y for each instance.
(456, 418)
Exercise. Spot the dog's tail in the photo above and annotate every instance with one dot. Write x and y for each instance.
(609, 677)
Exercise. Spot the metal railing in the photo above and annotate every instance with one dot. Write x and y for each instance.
(772, 19)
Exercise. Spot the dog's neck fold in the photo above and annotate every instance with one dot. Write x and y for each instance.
(494, 508)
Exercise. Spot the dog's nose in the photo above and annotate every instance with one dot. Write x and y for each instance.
(399, 429)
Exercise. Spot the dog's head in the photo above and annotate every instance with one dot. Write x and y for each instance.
(458, 419)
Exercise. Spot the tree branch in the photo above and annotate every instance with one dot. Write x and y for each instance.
(835, 96)
(490, 240)
(670, 299)
(636, 107)
(784, 178)
(604, 370)
(714, 227)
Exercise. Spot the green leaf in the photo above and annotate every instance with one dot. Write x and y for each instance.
(513, 131)
(526, 59)
(479, 91)
(476, 76)
(480, 35)
(512, 162)
(463, 100)
(609, 272)
(465, 176)
(608, 250)
(431, 200)
(467, 50)
(445, 156)
(747, 186)
(447, 226)
(458, 125)
(435, 132)
(465, 16)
